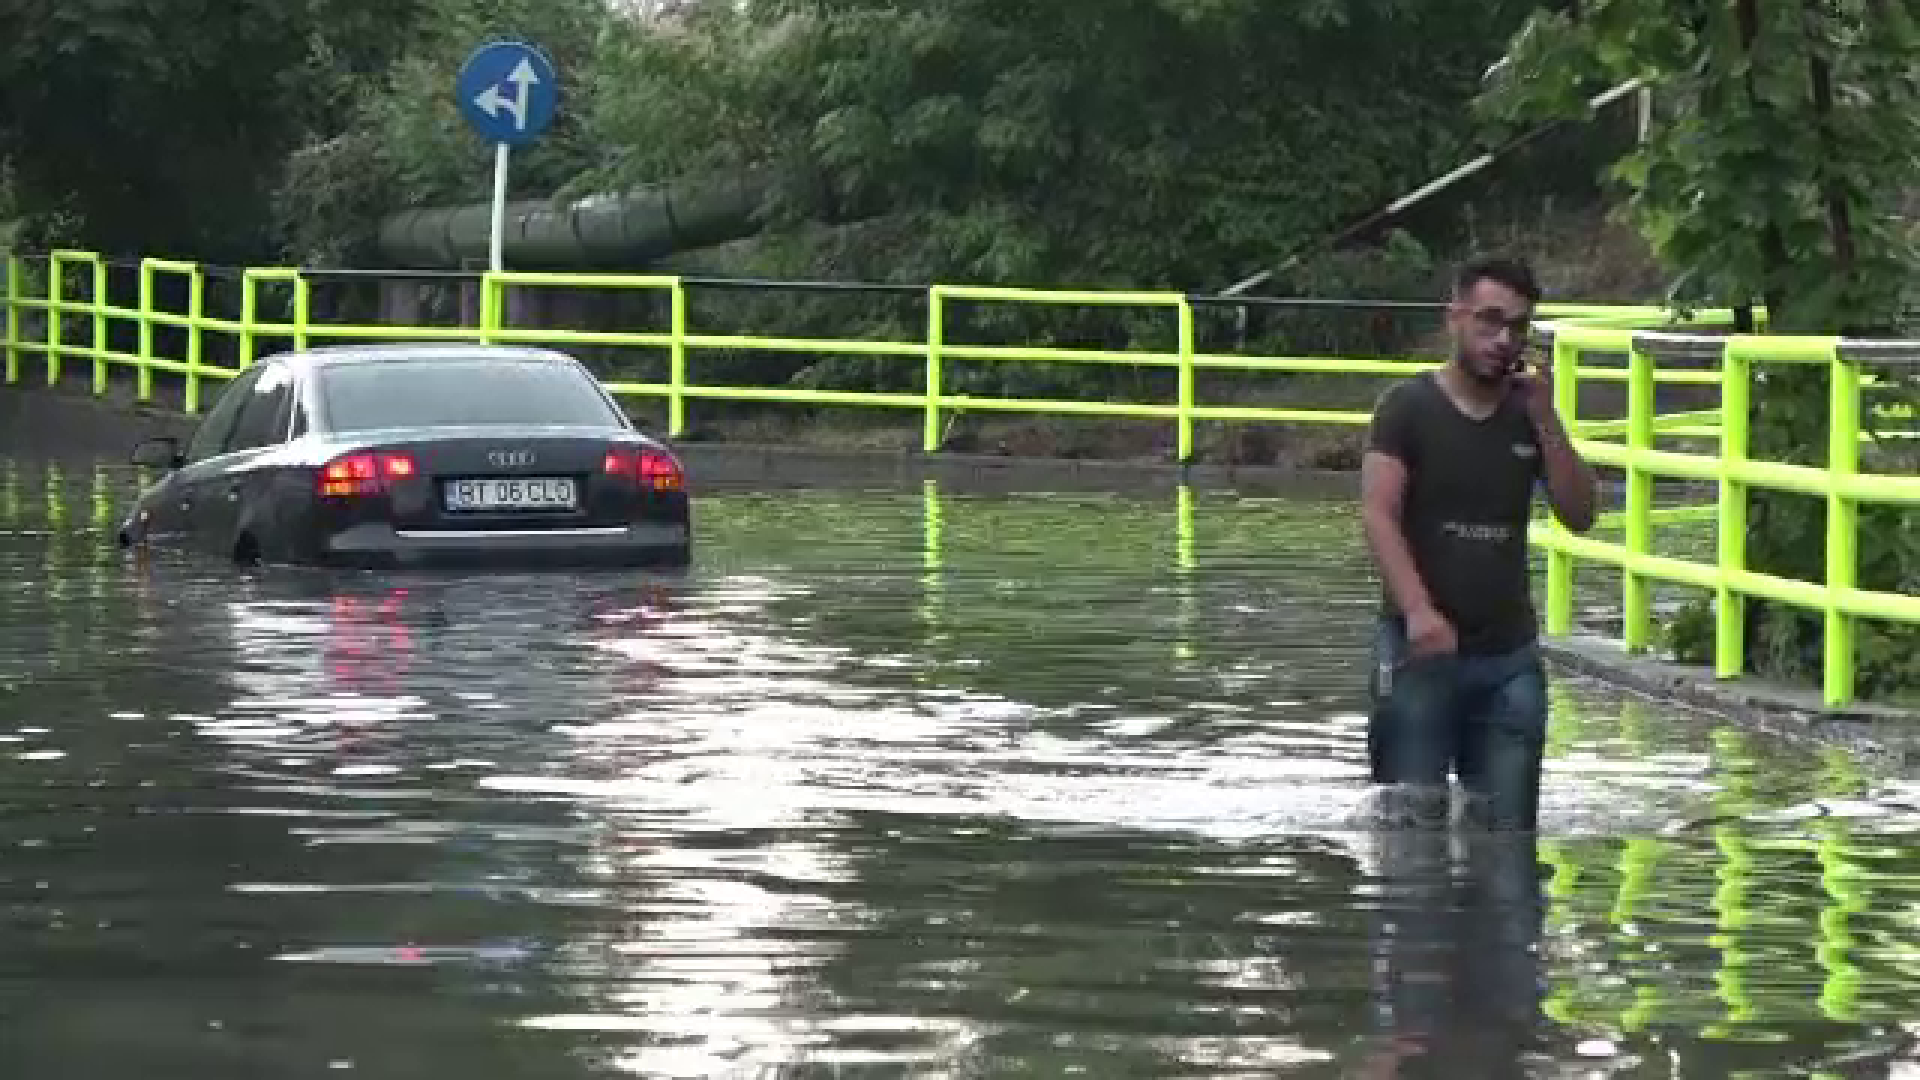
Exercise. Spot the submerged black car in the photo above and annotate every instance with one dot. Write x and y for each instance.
(405, 455)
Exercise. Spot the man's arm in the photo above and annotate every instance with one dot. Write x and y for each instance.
(1383, 489)
(1571, 488)
(1383, 492)
(1383, 495)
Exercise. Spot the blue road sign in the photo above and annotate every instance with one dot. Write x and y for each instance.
(508, 92)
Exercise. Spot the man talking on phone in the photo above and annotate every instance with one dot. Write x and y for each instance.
(1454, 457)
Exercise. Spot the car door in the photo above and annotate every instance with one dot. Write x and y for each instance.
(191, 484)
(234, 480)
(170, 504)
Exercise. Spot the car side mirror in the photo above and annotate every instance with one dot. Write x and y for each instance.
(159, 452)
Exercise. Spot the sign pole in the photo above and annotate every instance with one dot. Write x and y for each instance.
(508, 91)
(501, 153)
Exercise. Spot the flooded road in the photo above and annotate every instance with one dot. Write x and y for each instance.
(890, 785)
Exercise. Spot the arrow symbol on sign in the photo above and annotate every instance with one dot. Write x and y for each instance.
(491, 100)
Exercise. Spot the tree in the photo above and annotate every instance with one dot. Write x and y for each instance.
(1086, 143)
(392, 137)
(1787, 135)
(141, 126)
(1135, 142)
(167, 126)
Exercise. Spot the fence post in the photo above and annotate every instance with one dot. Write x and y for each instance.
(1730, 604)
(490, 303)
(249, 313)
(100, 303)
(1843, 522)
(196, 307)
(144, 380)
(1635, 595)
(677, 363)
(936, 331)
(16, 267)
(1566, 400)
(1186, 382)
(302, 309)
(56, 323)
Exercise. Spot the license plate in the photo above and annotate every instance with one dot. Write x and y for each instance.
(516, 493)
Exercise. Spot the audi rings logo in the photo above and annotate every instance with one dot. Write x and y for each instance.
(510, 459)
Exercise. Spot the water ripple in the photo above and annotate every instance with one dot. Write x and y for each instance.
(1007, 786)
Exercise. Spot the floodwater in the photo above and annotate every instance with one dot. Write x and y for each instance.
(890, 785)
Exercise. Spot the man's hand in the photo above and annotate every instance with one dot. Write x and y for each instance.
(1571, 487)
(1536, 390)
(1430, 634)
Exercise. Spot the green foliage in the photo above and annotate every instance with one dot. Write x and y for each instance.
(144, 126)
(1786, 136)
(393, 135)
(1093, 143)
(1735, 187)
(159, 125)
(1125, 142)
(1137, 143)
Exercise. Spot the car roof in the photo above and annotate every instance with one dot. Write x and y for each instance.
(370, 353)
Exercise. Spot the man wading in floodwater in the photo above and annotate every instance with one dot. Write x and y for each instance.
(1452, 462)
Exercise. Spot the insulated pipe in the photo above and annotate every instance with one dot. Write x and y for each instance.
(602, 231)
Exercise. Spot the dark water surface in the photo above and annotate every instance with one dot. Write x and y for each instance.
(891, 785)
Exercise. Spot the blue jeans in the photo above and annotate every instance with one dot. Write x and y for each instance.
(1483, 718)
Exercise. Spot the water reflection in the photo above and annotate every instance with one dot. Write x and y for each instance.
(1457, 975)
(891, 785)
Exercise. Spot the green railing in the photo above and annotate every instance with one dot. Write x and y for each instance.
(1580, 335)
(937, 350)
(1729, 578)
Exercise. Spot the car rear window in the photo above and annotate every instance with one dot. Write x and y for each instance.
(472, 392)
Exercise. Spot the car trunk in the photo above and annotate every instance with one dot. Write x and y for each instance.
(510, 481)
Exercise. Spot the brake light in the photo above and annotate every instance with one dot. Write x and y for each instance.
(660, 472)
(651, 469)
(363, 474)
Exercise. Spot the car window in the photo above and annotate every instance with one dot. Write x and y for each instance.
(481, 390)
(264, 414)
(211, 435)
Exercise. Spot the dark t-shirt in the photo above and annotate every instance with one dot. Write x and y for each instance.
(1470, 486)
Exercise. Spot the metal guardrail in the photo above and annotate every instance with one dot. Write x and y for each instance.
(1729, 578)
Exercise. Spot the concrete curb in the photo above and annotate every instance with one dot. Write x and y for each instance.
(1788, 711)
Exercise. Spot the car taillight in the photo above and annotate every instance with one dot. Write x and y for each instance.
(651, 469)
(363, 474)
(660, 472)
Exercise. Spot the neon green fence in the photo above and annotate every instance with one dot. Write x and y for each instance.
(55, 298)
(937, 351)
(1841, 483)
(74, 287)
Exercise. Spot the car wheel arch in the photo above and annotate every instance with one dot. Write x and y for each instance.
(246, 548)
(248, 538)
